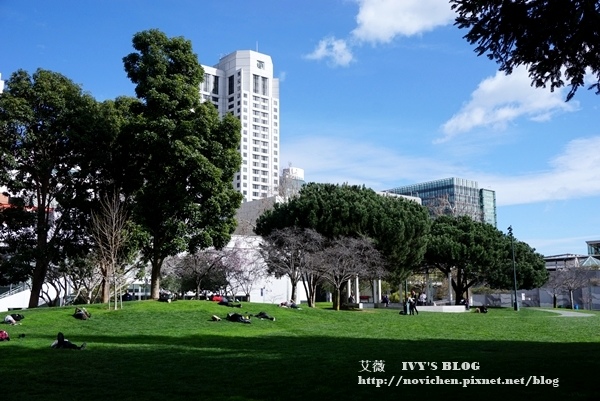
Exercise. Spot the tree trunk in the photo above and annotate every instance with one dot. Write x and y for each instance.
(337, 299)
(37, 282)
(571, 297)
(155, 279)
(294, 285)
(554, 300)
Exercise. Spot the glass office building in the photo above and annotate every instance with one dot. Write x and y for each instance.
(454, 196)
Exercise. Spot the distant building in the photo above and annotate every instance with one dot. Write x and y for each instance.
(570, 261)
(242, 84)
(248, 212)
(1, 84)
(593, 248)
(415, 199)
(292, 179)
(454, 196)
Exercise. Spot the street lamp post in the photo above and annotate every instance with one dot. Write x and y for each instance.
(512, 246)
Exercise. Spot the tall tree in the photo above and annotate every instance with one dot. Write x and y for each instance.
(397, 226)
(46, 121)
(183, 155)
(557, 40)
(472, 253)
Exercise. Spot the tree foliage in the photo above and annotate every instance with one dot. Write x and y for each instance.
(48, 127)
(397, 226)
(477, 253)
(557, 40)
(183, 155)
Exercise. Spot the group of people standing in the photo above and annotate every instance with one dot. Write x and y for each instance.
(411, 301)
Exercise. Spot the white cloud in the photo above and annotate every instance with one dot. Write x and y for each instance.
(501, 99)
(380, 21)
(336, 51)
(383, 20)
(572, 174)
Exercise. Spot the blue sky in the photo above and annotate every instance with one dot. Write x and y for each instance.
(377, 92)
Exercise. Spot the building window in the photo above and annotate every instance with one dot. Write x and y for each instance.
(265, 86)
(206, 83)
(215, 89)
(255, 81)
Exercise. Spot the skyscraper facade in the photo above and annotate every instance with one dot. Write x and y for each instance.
(454, 196)
(242, 84)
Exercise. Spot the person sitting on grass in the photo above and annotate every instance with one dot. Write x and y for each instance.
(62, 343)
(82, 314)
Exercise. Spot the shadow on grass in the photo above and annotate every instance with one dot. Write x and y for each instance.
(200, 367)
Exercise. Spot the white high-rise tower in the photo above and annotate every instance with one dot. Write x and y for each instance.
(242, 83)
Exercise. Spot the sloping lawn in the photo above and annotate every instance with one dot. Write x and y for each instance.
(173, 351)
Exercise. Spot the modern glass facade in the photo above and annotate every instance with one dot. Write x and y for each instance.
(593, 248)
(454, 196)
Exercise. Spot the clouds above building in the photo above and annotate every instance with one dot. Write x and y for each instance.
(501, 99)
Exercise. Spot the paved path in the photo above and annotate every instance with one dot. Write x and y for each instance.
(564, 313)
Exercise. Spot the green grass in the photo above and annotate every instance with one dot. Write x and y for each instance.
(157, 351)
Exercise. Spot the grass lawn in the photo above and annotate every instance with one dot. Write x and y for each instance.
(157, 351)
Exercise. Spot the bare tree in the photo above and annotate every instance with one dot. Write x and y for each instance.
(573, 279)
(193, 271)
(555, 286)
(346, 258)
(312, 276)
(286, 253)
(251, 262)
(108, 230)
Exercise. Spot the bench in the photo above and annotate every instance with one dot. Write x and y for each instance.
(365, 298)
(349, 305)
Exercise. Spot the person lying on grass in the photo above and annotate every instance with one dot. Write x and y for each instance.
(62, 343)
(263, 315)
(9, 319)
(236, 317)
(227, 302)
